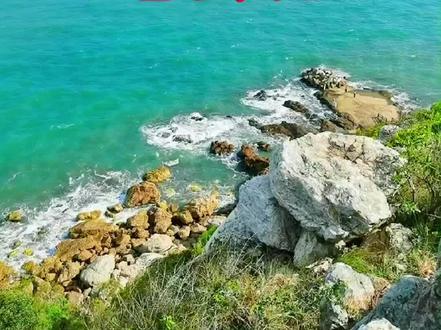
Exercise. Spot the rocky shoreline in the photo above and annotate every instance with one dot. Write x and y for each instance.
(317, 193)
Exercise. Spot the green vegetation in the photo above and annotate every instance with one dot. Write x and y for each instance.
(223, 290)
(20, 310)
(418, 200)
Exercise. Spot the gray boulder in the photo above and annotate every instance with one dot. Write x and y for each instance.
(333, 184)
(357, 292)
(387, 132)
(413, 303)
(258, 218)
(381, 324)
(98, 272)
(310, 248)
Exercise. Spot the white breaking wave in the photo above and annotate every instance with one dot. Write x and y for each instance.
(195, 132)
(46, 226)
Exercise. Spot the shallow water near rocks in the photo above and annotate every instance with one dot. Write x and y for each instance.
(93, 93)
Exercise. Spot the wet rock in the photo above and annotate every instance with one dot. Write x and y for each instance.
(92, 227)
(117, 208)
(98, 272)
(15, 216)
(254, 123)
(221, 148)
(158, 175)
(296, 106)
(142, 194)
(160, 219)
(183, 138)
(291, 130)
(252, 162)
(335, 185)
(92, 215)
(263, 146)
(261, 95)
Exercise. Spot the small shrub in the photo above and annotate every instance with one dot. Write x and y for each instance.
(17, 311)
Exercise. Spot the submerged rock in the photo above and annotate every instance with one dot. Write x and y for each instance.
(335, 185)
(142, 194)
(15, 216)
(221, 148)
(158, 175)
(92, 215)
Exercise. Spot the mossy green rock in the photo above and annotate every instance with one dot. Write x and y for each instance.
(15, 216)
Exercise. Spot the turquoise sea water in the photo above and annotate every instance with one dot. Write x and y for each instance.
(79, 79)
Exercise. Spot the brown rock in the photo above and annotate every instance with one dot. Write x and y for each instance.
(140, 220)
(160, 219)
(142, 194)
(159, 175)
(84, 255)
(67, 249)
(117, 208)
(70, 270)
(204, 207)
(31, 267)
(184, 232)
(197, 228)
(6, 274)
(221, 148)
(92, 227)
(75, 298)
(183, 217)
(92, 215)
(140, 233)
(252, 162)
(15, 216)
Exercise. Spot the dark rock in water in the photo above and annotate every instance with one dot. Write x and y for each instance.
(254, 123)
(261, 95)
(197, 117)
(252, 162)
(181, 138)
(291, 130)
(261, 145)
(296, 106)
(221, 148)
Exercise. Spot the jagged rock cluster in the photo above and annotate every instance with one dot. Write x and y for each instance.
(321, 190)
(322, 78)
(98, 250)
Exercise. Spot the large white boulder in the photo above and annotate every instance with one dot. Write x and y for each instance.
(259, 217)
(333, 184)
(98, 272)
